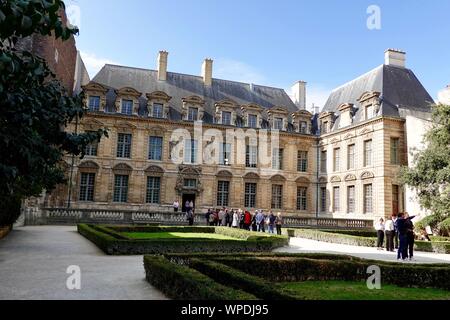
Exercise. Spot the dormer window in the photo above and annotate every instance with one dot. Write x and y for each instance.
(369, 112)
(278, 118)
(302, 121)
(127, 107)
(127, 101)
(94, 103)
(324, 128)
(158, 110)
(158, 104)
(278, 123)
(193, 114)
(226, 112)
(193, 108)
(226, 118)
(370, 103)
(252, 121)
(303, 127)
(326, 122)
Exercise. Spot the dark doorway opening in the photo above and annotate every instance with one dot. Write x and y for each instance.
(188, 197)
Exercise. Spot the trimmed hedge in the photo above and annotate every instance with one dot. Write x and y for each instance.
(339, 237)
(113, 243)
(156, 229)
(183, 283)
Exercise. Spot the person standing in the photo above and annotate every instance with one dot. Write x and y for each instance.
(410, 236)
(260, 221)
(207, 216)
(221, 217)
(379, 226)
(247, 220)
(190, 217)
(227, 218)
(389, 235)
(235, 222)
(272, 220)
(191, 205)
(176, 206)
(279, 223)
(187, 205)
(394, 220)
(241, 219)
(254, 226)
(402, 236)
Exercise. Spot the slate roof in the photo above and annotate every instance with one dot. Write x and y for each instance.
(399, 88)
(179, 86)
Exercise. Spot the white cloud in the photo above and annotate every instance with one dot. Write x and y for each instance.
(230, 69)
(93, 63)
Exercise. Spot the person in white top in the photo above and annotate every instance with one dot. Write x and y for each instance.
(389, 232)
(235, 223)
(176, 205)
(379, 226)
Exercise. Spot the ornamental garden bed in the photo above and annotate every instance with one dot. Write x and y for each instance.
(277, 276)
(366, 239)
(131, 240)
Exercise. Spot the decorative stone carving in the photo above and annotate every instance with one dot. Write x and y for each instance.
(89, 165)
(350, 177)
(122, 167)
(95, 89)
(323, 180)
(367, 175)
(303, 180)
(225, 174)
(193, 101)
(335, 179)
(189, 172)
(128, 93)
(158, 97)
(278, 177)
(251, 176)
(154, 171)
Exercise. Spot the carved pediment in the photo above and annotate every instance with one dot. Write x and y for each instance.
(158, 95)
(365, 131)
(125, 126)
(252, 106)
(302, 114)
(367, 175)
(335, 179)
(278, 177)
(348, 136)
(350, 177)
(335, 140)
(224, 174)
(154, 170)
(323, 180)
(194, 100)
(94, 86)
(303, 180)
(123, 167)
(368, 95)
(190, 170)
(252, 176)
(89, 165)
(226, 103)
(128, 91)
(92, 124)
(278, 110)
(345, 106)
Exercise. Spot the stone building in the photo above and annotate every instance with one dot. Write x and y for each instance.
(164, 127)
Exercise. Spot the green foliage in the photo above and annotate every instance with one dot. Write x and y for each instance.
(430, 176)
(34, 108)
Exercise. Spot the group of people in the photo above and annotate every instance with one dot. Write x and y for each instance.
(399, 234)
(258, 221)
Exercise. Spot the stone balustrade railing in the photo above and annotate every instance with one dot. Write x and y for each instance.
(64, 216)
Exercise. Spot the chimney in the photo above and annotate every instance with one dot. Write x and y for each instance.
(162, 65)
(299, 94)
(395, 57)
(207, 69)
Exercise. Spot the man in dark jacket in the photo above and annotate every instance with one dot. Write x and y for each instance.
(410, 235)
(402, 228)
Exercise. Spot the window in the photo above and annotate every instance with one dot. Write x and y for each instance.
(323, 162)
(91, 149)
(223, 189)
(120, 188)
(277, 159)
(303, 127)
(324, 128)
(127, 106)
(351, 157)
(395, 158)
(124, 145)
(190, 183)
(87, 186)
(351, 199)
(153, 190)
(225, 154)
(278, 124)
(250, 195)
(336, 199)
(368, 205)
(302, 161)
(94, 103)
(395, 199)
(369, 112)
(301, 198)
(337, 159)
(158, 110)
(323, 199)
(367, 153)
(251, 156)
(252, 121)
(155, 148)
(277, 196)
(190, 151)
(226, 118)
(193, 114)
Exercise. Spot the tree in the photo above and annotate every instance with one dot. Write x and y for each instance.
(35, 109)
(430, 176)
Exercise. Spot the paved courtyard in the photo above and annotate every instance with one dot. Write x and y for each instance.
(34, 260)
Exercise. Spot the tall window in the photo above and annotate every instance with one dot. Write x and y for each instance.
(124, 145)
(87, 186)
(351, 157)
(120, 188)
(323, 199)
(91, 149)
(251, 156)
(395, 199)
(351, 199)
(193, 114)
(153, 190)
(324, 127)
(368, 204)
(367, 153)
(369, 112)
(225, 154)
(158, 110)
(250, 195)
(155, 148)
(226, 118)
(277, 196)
(127, 106)
(302, 161)
(303, 127)
(337, 159)
(94, 103)
(277, 159)
(395, 158)
(252, 121)
(336, 199)
(278, 124)
(223, 191)
(190, 151)
(301, 198)
(323, 161)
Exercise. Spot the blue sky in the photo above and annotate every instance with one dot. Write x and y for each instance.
(324, 42)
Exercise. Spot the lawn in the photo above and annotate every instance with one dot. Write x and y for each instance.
(174, 235)
(351, 290)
